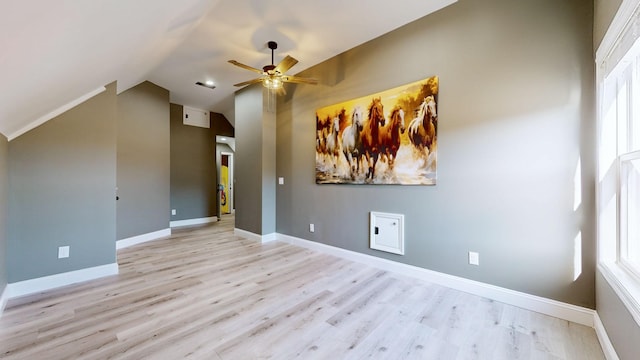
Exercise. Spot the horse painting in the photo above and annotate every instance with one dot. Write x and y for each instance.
(351, 142)
(358, 142)
(422, 129)
(370, 135)
(389, 136)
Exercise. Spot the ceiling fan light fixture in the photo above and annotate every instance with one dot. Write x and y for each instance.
(273, 76)
(272, 82)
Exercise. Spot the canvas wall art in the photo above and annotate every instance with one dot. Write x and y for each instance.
(386, 138)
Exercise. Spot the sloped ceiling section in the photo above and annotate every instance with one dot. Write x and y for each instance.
(54, 52)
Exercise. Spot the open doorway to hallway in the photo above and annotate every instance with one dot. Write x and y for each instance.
(225, 150)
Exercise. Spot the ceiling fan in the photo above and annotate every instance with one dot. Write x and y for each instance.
(273, 76)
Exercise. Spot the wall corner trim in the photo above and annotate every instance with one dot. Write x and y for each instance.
(607, 347)
(4, 298)
(197, 221)
(255, 237)
(62, 109)
(121, 244)
(32, 286)
(569, 312)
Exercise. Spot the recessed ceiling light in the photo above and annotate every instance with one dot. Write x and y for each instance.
(208, 84)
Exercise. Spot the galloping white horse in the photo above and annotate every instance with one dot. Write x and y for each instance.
(333, 145)
(422, 129)
(351, 141)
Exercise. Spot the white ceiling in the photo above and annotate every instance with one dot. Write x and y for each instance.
(53, 52)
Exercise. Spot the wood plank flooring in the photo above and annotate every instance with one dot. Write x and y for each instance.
(204, 293)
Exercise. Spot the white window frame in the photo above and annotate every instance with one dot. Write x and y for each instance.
(624, 279)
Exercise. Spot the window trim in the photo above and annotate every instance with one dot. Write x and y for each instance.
(622, 280)
(632, 269)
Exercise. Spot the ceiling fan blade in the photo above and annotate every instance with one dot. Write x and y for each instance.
(245, 66)
(299, 80)
(286, 64)
(257, 80)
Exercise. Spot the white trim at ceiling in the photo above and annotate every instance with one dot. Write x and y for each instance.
(62, 109)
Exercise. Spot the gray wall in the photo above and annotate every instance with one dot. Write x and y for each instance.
(515, 118)
(62, 177)
(193, 169)
(255, 162)
(143, 160)
(4, 207)
(268, 173)
(193, 165)
(248, 108)
(618, 321)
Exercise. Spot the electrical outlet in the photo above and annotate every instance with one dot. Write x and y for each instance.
(281, 181)
(312, 228)
(63, 252)
(474, 258)
(173, 211)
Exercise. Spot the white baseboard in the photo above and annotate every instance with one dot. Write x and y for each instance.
(120, 244)
(269, 238)
(576, 314)
(188, 222)
(605, 343)
(255, 237)
(32, 286)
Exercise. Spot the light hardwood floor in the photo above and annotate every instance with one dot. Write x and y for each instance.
(207, 294)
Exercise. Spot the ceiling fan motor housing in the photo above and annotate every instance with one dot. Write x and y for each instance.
(269, 69)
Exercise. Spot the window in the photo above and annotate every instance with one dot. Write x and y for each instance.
(618, 131)
(630, 211)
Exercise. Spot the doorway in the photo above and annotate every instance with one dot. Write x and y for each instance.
(226, 183)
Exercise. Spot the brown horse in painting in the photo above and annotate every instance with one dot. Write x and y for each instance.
(370, 135)
(422, 130)
(389, 137)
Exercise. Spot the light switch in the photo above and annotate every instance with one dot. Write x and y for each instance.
(63, 252)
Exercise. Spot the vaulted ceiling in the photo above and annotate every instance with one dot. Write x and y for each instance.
(53, 52)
